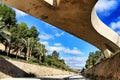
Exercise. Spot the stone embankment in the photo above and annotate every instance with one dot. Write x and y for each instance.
(108, 69)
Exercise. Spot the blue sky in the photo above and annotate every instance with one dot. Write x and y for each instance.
(72, 49)
(109, 13)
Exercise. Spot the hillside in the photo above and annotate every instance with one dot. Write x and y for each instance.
(11, 68)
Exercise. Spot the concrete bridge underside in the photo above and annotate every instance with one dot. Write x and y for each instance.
(74, 17)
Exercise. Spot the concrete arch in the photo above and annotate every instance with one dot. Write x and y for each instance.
(103, 29)
(106, 32)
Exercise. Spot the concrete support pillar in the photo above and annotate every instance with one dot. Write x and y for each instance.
(49, 1)
(58, 2)
(107, 53)
(53, 2)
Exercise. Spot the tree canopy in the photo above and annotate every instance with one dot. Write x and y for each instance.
(92, 58)
(8, 14)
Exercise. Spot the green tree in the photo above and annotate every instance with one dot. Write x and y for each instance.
(9, 18)
(41, 51)
(33, 32)
(8, 14)
(29, 44)
(18, 32)
(22, 30)
(16, 41)
(4, 35)
(92, 59)
(53, 60)
(55, 55)
(30, 37)
(3, 31)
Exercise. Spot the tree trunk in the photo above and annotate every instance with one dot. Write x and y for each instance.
(5, 47)
(39, 59)
(27, 54)
(16, 53)
(30, 53)
(9, 48)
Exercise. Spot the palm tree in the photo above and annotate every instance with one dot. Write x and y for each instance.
(18, 46)
(29, 44)
(40, 48)
(3, 30)
(5, 34)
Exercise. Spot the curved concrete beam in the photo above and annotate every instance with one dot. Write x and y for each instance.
(103, 29)
(72, 16)
(106, 32)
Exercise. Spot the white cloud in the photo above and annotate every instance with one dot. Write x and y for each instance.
(45, 36)
(57, 44)
(19, 13)
(74, 51)
(45, 43)
(106, 6)
(58, 47)
(77, 63)
(115, 25)
(72, 62)
(118, 32)
(59, 34)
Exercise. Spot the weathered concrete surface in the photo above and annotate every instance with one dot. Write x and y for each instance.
(73, 16)
(106, 70)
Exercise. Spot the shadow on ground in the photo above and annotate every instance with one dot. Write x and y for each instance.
(10, 69)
